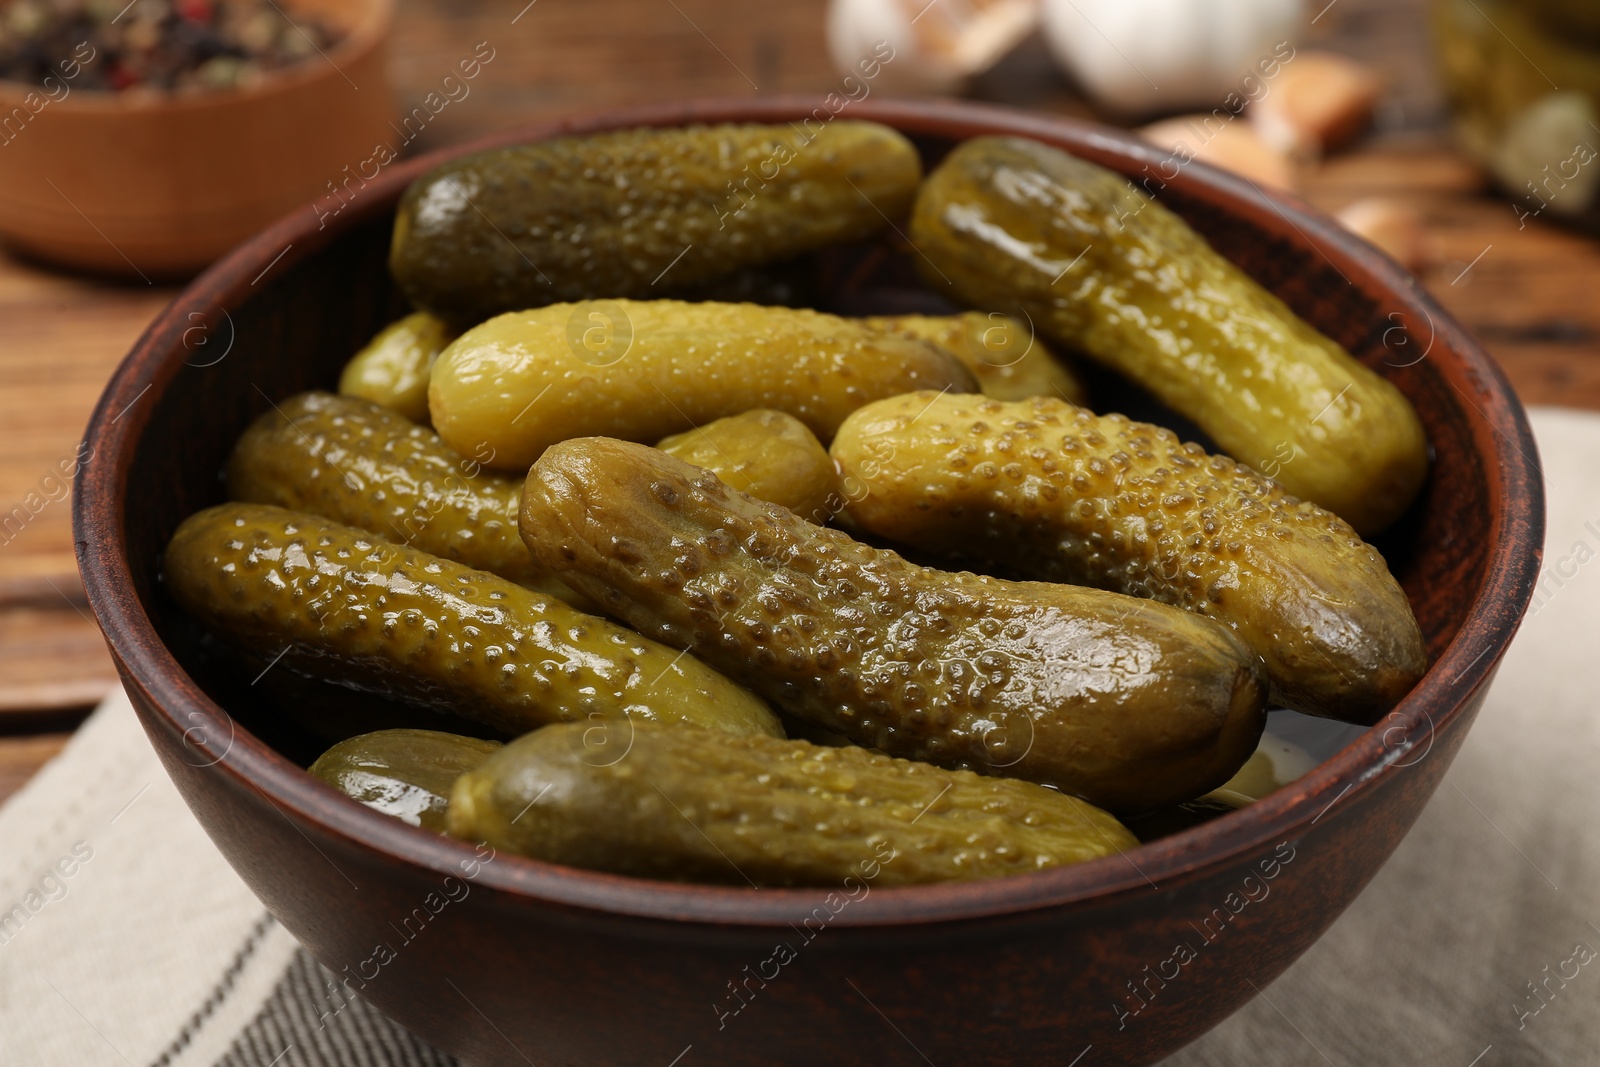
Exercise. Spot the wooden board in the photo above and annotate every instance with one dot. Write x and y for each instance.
(21, 758)
(1528, 293)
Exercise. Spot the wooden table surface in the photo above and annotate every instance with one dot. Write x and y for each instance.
(1529, 293)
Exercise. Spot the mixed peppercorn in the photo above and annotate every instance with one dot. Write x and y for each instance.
(159, 44)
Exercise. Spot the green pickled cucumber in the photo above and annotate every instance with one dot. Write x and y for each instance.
(639, 212)
(1009, 362)
(643, 369)
(338, 603)
(393, 369)
(691, 806)
(770, 455)
(1104, 268)
(1124, 702)
(404, 773)
(1040, 489)
(349, 460)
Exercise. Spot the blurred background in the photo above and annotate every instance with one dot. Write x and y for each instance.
(1457, 135)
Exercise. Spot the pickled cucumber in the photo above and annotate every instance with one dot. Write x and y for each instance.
(349, 460)
(770, 455)
(1107, 270)
(404, 773)
(1124, 702)
(638, 212)
(1009, 362)
(691, 806)
(338, 603)
(1041, 489)
(392, 370)
(643, 369)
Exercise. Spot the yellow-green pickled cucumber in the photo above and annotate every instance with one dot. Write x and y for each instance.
(1124, 702)
(1009, 362)
(770, 455)
(349, 460)
(1045, 490)
(338, 603)
(404, 773)
(1107, 270)
(691, 806)
(392, 370)
(643, 369)
(638, 212)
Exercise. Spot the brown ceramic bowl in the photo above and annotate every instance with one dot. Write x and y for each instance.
(148, 185)
(546, 964)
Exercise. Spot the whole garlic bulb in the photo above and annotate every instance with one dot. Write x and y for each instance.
(932, 46)
(1143, 56)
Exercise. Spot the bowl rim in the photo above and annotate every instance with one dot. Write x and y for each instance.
(369, 29)
(167, 698)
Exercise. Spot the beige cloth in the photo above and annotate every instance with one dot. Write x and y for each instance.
(117, 915)
(126, 940)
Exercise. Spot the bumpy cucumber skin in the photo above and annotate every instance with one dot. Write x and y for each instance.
(687, 805)
(1001, 352)
(404, 773)
(770, 455)
(349, 460)
(1103, 268)
(393, 369)
(636, 212)
(356, 609)
(1127, 703)
(520, 382)
(1041, 489)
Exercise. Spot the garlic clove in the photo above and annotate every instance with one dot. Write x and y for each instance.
(1395, 227)
(1319, 103)
(1223, 140)
(925, 46)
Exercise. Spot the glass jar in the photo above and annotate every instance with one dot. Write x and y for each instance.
(1523, 79)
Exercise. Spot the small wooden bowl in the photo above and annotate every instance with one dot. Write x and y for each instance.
(507, 959)
(147, 185)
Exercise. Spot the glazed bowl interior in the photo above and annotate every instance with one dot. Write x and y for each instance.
(285, 311)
